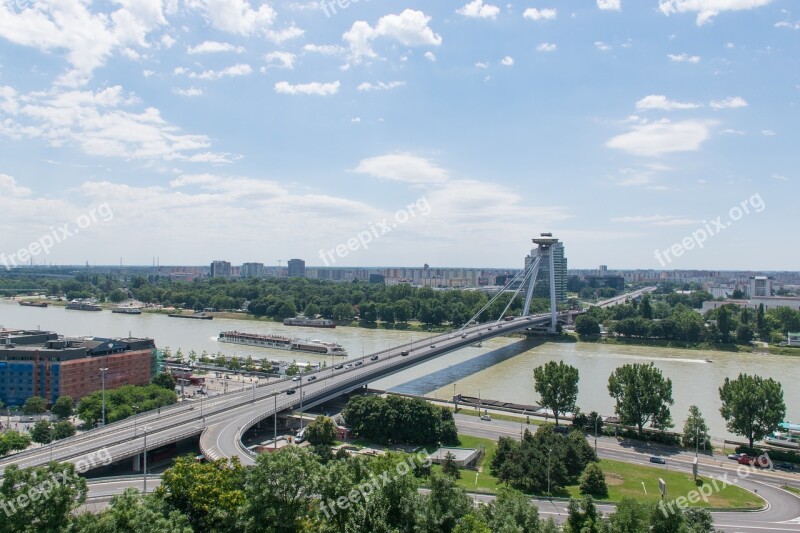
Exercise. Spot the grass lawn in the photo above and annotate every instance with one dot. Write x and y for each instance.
(625, 480)
(791, 489)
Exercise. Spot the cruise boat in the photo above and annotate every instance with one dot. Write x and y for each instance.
(282, 343)
(788, 436)
(196, 315)
(83, 305)
(306, 322)
(127, 310)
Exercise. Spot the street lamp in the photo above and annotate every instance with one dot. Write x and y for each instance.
(145, 460)
(135, 411)
(595, 432)
(696, 438)
(103, 372)
(549, 451)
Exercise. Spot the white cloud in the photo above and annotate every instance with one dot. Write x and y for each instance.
(88, 38)
(409, 28)
(236, 16)
(540, 14)
(313, 88)
(683, 58)
(234, 71)
(784, 24)
(663, 137)
(324, 49)
(477, 9)
(603, 47)
(102, 123)
(211, 47)
(507, 61)
(9, 187)
(403, 167)
(147, 73)
(733, 132)
(355, 120)
(656, 220)
(168, 41)
(612, 5)
(659, 101)
(708, 9)
(430, 56)
(280, 59)
(779, 177)
(480, 64)
(191, 92)
(286, 34)
(380, 86)
(732, 102)
(769, 133)
(546, 47)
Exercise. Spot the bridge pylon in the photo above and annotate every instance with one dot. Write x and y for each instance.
(544, 252)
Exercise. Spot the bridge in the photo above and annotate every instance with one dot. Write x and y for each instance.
(220, 421)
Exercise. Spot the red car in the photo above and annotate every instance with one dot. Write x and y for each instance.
(745, 459)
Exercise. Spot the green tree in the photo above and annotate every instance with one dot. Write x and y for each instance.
(593, 481)
(343, 312)
(281, 490)
(13, 441)
(63, 407)
(744, 334)
(63, 429)
(582, 516)
(752, 406)
(695, 429)
(630, 516)
(35, 405)
(165, 380)
(117, 296)
(42, 432)
(444, 506)
(209, 494)
(49, 513)
(642, 395)
(724, 323)
(292, 369)
(557, 385)
(449, 466)
(511, 511)
(587, 326)
(321, 432)
(645, 308)
(472, 523)
(130, 511)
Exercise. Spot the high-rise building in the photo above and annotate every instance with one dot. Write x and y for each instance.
(760, 286)
(542, 288)
(220, 269)
(253, 270)
(297, 268)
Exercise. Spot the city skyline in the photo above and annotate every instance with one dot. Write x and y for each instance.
(447, 134)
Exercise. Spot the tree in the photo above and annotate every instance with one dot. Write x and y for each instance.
(63, 407)
(645, 308)
(631, 516)
(593, 481)
(642, 395)
(165, 380)
(322, 431)
(583, 516)
(209, 494)
(724, 323)
(511, 511)
(695, 429)
(752, 406)
(130, 511)
(42, 432)
(12, 441)
(557, 385)
(744, 334)
(444, 506)
(449, 466)
(35, 405)
(48, 513)
(587, 326)
(63, 429)
(281, 490)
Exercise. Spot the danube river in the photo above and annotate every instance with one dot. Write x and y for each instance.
(501, 369)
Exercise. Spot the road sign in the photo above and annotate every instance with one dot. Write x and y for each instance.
(694, 468)
(662, 487)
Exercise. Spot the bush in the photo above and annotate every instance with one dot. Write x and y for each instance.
(593, 481)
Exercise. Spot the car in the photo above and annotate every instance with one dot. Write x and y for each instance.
(290, 391)
(789, 467)
(658, 460)
(359, 363)
(312, 378)
(561, 429)
(490, 328)
(747, 459)
(499, 325)
(373, 358)
(338, 367)
(486, 417)
(433, 346)
(348, 365)
(296, 378)
(735, 456)
(464, 336)
(404, 353)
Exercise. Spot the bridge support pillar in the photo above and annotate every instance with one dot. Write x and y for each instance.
(137, 463)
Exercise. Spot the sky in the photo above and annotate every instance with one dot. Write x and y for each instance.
(644, 134)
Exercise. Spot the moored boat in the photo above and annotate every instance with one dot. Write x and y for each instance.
(306, 322)
(29, 303)
(283, 343)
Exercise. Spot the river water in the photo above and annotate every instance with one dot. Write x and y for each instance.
(501, 369)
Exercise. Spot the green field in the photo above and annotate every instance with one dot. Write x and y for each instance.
(793, 490)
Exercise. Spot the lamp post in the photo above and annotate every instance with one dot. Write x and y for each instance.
(301, 401)
(135, 410)
(145, 460)
(549, 451)
(103, 372)
(595, 433)
(696, 438)
(275, 423)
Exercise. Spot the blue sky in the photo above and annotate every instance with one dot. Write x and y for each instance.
(258, 131)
